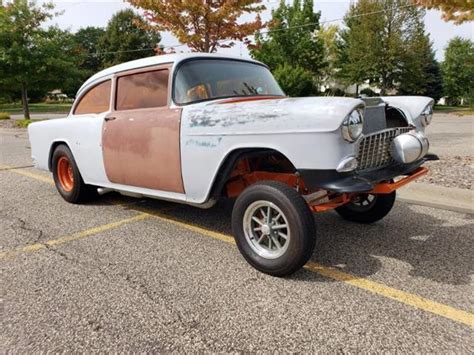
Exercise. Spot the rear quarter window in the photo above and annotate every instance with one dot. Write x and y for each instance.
(96, 100)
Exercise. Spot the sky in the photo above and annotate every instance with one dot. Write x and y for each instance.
(83, 13)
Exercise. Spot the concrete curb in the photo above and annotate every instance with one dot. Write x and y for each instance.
(437, 205)
(447, 198)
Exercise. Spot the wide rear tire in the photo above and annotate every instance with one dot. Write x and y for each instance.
(274, 228)
(68, 179)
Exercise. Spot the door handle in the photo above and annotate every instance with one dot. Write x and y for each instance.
(110, 118)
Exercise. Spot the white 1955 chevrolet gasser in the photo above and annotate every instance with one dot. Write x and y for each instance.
(193, 128)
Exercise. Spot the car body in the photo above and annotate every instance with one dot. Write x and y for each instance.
(194, 127)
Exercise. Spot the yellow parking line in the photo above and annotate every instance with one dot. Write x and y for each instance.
(192, 227)
(394, 294)
(28, 174)
(332, 273)
(69, 238)
(329, 272)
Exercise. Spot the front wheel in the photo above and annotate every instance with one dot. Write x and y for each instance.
(367, 208)
(274, 228)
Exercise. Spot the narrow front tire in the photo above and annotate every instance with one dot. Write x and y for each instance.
(274, 228)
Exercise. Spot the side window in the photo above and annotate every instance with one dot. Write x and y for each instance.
(142, 90)
(96, 100)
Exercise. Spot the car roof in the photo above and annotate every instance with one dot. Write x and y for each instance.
(155, 60)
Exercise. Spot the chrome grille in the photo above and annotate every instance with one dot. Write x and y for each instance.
(374, 149)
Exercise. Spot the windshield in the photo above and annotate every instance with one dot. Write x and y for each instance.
(207, 79)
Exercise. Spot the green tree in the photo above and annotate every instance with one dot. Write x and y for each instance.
(86, 42)
(358, 46)
(126, 38)
(329, 36)
(420, 72)
(374, 41)
(458, 70)
(434, 86)
(291, 40)
(85, 48)
(32, 58)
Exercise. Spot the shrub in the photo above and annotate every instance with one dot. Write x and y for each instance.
(368, 92)
(294, 80)
(4, 116)
(23, 123)
(334, 92)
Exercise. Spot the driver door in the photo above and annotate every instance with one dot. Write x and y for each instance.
(141, 134)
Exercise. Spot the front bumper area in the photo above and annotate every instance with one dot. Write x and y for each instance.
(357, 182)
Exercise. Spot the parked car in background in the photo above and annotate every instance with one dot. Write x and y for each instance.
(193, 128)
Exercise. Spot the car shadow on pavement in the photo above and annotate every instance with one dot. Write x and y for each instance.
(432, 244)
(435, 246)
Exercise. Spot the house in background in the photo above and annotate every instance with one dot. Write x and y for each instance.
(56, 96)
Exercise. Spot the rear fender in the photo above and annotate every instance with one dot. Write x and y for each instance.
(54, 145)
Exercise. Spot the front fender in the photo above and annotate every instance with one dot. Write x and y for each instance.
(412, 107)
(305, 130)
(202, 156)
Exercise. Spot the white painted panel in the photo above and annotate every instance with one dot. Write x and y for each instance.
(305, 130)
(83, 136)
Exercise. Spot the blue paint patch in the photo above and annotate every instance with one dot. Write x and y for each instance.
(204, 143)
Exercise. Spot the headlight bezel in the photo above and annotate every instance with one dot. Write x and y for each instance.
(427, 114)
(353, 124)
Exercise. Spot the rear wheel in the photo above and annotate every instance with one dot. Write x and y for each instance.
(67, 177)
(274, 228)
(367, 208)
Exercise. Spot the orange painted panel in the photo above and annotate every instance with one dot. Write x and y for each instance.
(141, 145)
(389, 187)
(141, 148)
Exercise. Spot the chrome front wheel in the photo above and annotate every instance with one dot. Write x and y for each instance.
(273, 227)
(266, 229)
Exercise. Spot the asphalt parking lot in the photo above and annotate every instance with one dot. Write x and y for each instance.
(122, 274)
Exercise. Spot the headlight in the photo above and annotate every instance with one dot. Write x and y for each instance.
(353, 124)
(409, 147)
(427, 115)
